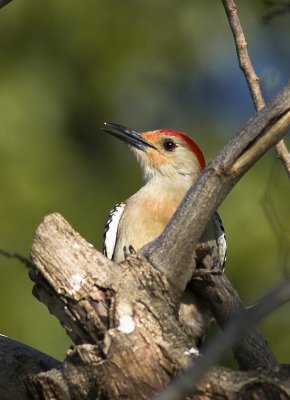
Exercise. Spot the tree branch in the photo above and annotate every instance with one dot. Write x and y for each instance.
(249, 72)
(116, 308)
(16, 256)
(243, 55)
(17, 361)
(186, 383)
(216, 292)
(97, 297)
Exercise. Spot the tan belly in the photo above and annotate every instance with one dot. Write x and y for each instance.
(138, 227)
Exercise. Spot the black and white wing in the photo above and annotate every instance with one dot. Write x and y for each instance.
(221, 239)
(111, 229)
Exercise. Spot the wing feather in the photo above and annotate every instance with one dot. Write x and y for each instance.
(221, 239)
(111, 229)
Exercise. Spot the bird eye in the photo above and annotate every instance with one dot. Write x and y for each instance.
(169, 145)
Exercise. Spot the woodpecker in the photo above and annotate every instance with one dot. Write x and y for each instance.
(170, 162)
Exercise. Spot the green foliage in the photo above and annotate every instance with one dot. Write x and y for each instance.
(65, 68)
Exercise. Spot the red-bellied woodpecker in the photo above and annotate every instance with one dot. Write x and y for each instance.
(170, 162)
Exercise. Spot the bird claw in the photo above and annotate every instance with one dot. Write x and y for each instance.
(132, 250)
(128, 250)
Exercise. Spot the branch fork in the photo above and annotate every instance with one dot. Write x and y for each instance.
(126, 311)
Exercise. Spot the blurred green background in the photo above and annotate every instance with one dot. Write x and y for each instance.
(65, 67)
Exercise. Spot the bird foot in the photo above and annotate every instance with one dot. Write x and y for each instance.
(128, 250)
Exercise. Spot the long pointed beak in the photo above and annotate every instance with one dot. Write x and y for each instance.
(128, 135)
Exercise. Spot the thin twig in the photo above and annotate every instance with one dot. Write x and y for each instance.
(16, 256)
(249, 72)
(186, 383)
(283, 154)
(243, 55)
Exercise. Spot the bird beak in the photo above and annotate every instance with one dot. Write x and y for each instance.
(128, 135)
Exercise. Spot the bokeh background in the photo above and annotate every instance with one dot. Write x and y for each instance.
(65, 67)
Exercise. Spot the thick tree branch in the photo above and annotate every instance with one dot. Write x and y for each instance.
(17, 361)
(171, 253)
(249, 72)
(186, 383)
(216, 292)
(115, 307)
(118, 308)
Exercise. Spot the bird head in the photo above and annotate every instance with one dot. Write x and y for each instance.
(162, 152)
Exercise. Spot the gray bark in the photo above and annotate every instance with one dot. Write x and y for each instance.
(18, 361)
